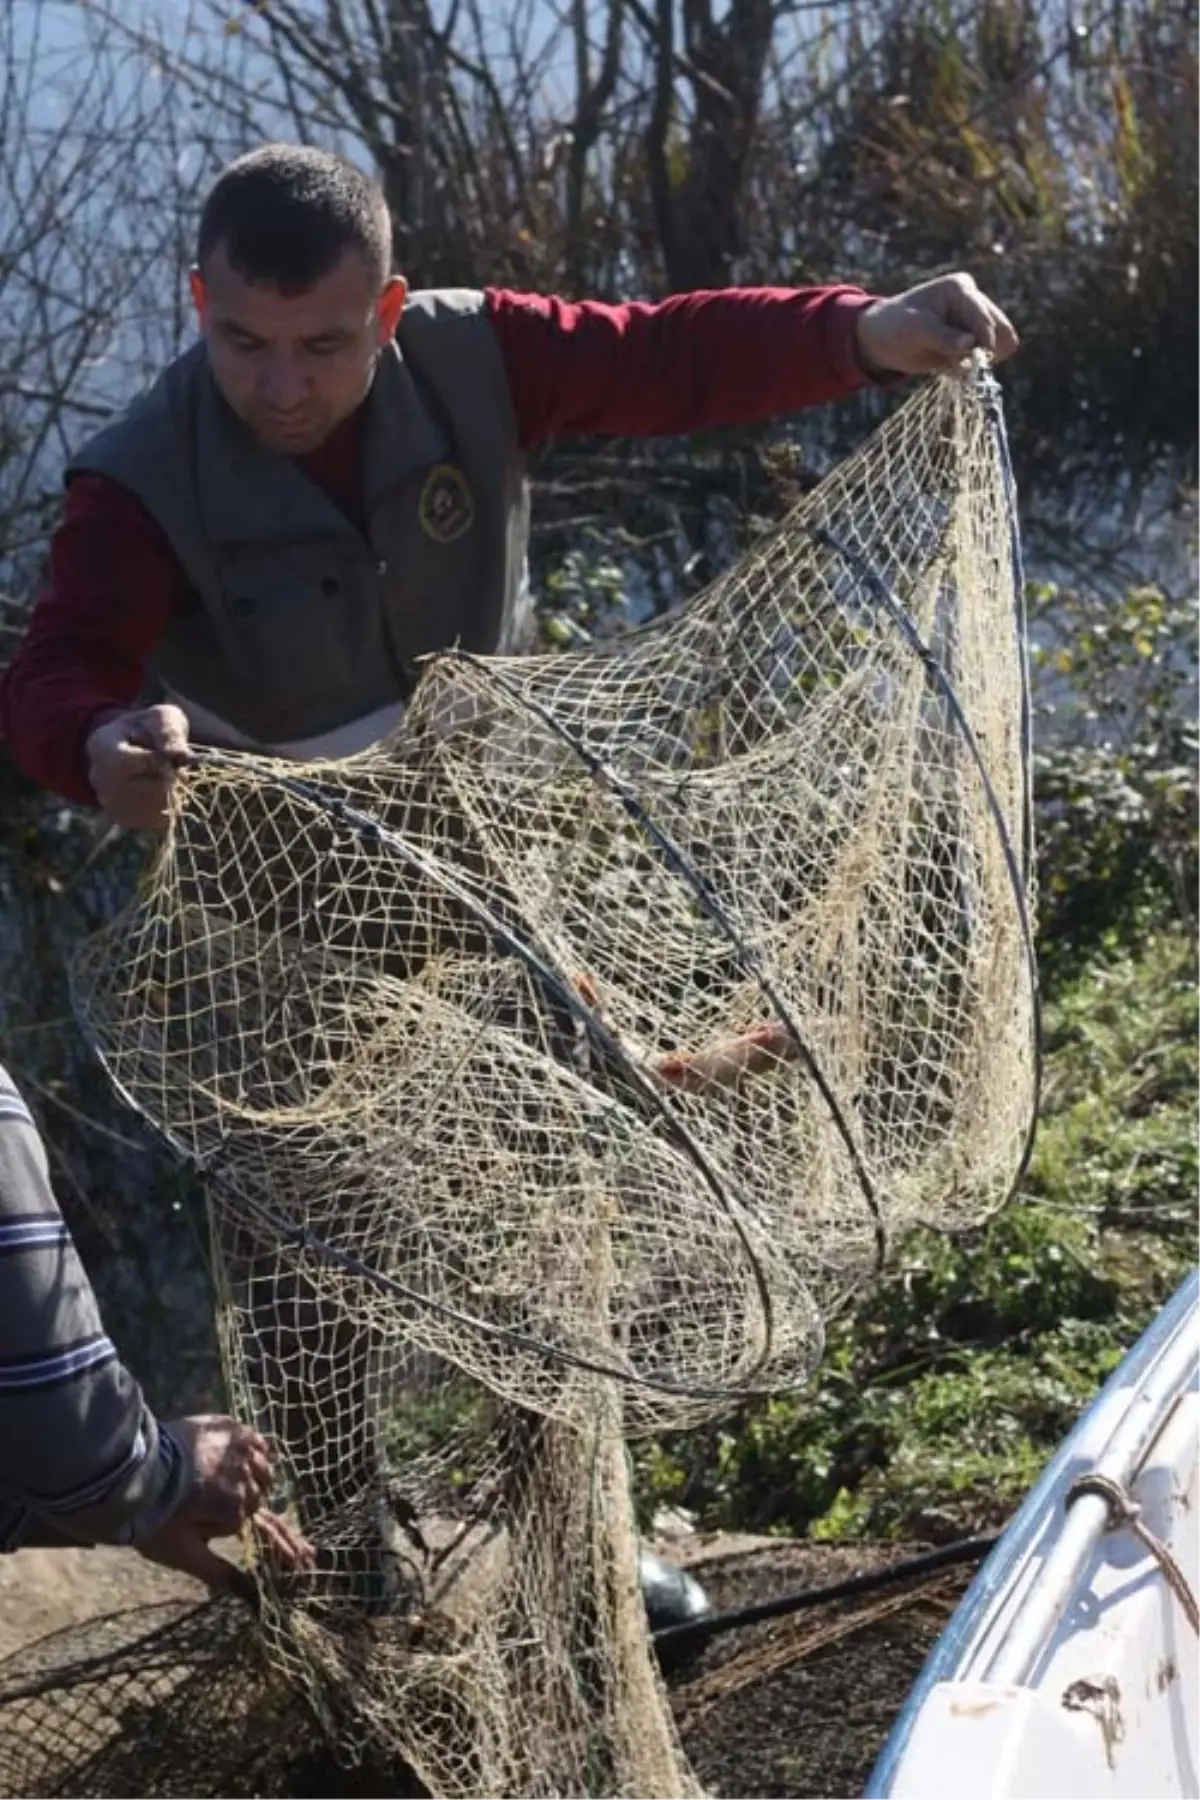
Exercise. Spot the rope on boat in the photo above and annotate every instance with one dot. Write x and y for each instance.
(1124, 1513)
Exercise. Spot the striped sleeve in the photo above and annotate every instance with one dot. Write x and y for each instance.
(82, 1458)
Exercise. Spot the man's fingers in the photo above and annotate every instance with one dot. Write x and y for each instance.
(134, 762)
(133, 783)
(989, 327)
(1006, 340)
(165, 730)
(246, 1467)
(231, 1463)
(969, 315)
(279, 1539)
(259, 1465)
(946, 341)
(246, 1456)
(252, 1490)
(235, 1496)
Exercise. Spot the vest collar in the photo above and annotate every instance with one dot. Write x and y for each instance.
(400, 431)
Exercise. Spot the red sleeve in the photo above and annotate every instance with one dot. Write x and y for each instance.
(112, 586)
(723, 357)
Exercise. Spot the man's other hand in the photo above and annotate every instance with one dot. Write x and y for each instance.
(132, 762)
(232, 1477)
(930, 329)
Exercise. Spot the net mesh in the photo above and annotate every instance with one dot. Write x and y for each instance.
(167, 1699)
(557, 1066)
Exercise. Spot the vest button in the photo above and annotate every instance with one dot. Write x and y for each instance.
(330, 584)
(243, 604)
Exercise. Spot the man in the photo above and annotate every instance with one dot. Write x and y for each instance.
(84, 1460)
(331, 483)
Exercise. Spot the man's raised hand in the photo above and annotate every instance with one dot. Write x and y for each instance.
(929, 329)
(133, 758)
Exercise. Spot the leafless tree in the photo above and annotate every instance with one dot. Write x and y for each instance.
(97, 180)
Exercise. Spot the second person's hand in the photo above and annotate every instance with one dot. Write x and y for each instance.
(231, 1478)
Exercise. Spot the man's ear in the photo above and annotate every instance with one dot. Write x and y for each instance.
(199, 294)
(390, 306)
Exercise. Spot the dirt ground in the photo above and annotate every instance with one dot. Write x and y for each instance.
(48, 1590)
(801, 1706)
(796, 1707)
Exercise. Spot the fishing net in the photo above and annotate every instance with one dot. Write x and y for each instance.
(166, 1699)
(558, 1066)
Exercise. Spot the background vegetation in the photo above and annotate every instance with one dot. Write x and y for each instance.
(633, 147)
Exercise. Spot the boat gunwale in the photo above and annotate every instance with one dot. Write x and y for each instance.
(1155, 1371)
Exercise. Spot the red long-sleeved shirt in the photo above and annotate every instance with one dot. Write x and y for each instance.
(724, 357)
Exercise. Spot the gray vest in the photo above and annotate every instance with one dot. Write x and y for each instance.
(299, 623)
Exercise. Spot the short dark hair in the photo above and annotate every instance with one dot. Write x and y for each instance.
(285, 214)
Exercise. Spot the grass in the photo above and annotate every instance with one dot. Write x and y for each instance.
(956, 1376)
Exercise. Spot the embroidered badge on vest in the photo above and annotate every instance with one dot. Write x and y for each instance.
(447, 504)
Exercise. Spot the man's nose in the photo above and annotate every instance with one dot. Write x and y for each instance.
(282, 384)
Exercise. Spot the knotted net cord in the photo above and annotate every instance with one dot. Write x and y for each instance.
(558, 1066)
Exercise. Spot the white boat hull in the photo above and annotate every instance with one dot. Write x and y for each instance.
(1070, 1671)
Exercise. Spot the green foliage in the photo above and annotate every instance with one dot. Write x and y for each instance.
(1115, 766)
(944, 1391)
(584, 589)
(420, 1424)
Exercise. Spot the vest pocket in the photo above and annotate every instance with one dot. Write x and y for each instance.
(306, 624)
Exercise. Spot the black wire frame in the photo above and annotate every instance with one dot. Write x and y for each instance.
(986, 390)
(300, 1238)
(540, 961)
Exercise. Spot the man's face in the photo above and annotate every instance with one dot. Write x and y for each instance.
(294, 365)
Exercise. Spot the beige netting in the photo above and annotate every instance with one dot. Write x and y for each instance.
(557, 1066)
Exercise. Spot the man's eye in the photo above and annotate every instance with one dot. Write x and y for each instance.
(325, 347)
